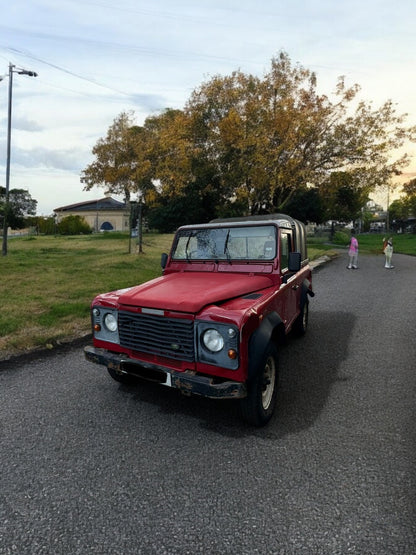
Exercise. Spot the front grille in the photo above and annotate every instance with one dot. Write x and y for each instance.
(166, 337)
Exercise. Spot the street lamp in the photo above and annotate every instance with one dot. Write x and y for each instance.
(20, 71)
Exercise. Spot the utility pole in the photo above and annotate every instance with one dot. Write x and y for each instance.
(12, 69)
(140, 226)
(132, 216)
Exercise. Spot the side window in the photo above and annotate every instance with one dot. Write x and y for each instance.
(285, 249)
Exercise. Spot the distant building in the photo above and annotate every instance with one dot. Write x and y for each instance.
(375, 208)
(379, 217)
(105, 214)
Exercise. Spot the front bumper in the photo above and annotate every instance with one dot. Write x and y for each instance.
(187, 382)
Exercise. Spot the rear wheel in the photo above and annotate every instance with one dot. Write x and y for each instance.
(258, 407)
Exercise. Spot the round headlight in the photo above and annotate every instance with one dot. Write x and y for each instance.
(110, 322)
(213, 340)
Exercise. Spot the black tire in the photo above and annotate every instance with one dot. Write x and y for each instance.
(126, 379)
(300, 325)
(258, 407)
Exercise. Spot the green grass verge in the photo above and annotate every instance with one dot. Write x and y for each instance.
(372, 243)
(317, 246)
(402, 243)
(48, 283)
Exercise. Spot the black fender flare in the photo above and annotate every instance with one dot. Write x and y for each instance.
(306, 290)
(271, 329)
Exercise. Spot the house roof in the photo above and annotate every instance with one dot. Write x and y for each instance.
(106, 203)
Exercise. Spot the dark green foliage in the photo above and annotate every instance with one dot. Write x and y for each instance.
(20, 205)
(42, 225)
(306, 205)
(343, 197)
(73, 225)
(341, 238)
(196, 206)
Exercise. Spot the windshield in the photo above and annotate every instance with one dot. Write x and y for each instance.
(232, 243)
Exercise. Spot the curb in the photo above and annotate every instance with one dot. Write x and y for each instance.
(315, 264)
(52, 349)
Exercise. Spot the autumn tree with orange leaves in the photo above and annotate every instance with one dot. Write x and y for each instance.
(246, 145)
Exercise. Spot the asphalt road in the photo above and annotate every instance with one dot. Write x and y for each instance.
(91, 467)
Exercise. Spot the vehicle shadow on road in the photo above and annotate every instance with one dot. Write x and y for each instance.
(309, 367)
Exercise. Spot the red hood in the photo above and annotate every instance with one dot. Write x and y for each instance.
(190, 292)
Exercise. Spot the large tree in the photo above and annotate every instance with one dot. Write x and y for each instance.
(409, 198)
(398, 212)
(114, 162)
(255, 144)
(20, 205)
(269, 137)
(123, 160)
(343, 197)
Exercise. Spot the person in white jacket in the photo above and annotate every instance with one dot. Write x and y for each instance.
(388, 251)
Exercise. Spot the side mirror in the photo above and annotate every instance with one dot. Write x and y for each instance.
(294, 261)
(164, 260)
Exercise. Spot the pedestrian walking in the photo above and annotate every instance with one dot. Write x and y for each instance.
(388, 251)
(353, 252)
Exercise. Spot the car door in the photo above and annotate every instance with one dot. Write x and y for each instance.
(290, 289)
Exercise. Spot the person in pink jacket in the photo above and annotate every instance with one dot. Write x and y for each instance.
(353, 252)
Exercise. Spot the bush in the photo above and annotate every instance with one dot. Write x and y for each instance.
(73, 225)
(341, 238)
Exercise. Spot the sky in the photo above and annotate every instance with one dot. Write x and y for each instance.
(98, 58)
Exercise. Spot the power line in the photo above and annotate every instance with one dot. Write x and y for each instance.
(182, 55)
(27, 54)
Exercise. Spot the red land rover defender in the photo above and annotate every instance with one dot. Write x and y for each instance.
(211, 324)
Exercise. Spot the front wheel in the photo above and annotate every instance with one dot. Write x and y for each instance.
(258, 407)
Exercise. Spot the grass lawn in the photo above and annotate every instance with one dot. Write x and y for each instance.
(48, 283)
(373, 242)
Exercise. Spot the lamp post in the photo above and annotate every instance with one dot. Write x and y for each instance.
(20, 71)
(388, 208)
(140, 225)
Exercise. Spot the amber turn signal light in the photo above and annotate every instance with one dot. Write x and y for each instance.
(232, 354)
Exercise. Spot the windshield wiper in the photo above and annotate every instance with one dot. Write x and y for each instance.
(186, 248)
(226, 251)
